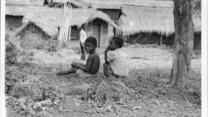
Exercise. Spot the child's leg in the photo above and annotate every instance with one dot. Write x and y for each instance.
(108, 72)
(74, 67)
(77, 65)
(72, 70)
(106, 69)
(82, 51)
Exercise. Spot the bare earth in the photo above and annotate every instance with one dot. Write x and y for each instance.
(149, 97)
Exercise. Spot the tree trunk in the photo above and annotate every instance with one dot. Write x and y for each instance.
(184, 35)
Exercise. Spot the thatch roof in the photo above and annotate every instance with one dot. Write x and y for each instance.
(78, 3)
(150, 19)
(40, 27)
(106, 5)
(117, 4)
(25, 2)
(49, 19)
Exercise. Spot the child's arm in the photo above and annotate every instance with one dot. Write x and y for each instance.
(106, 56)
(88, 64)
(85, 68)
(107, 69)
(111, 56)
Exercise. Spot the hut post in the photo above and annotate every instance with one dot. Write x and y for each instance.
(69, 7)
(65, 29)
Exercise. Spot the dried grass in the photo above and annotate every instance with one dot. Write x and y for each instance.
(25, 2)
(11, 53)
(116, 4)
(31, 95)
(107, 91)
(78, 3)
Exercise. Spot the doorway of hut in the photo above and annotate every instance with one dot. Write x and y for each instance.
(96, 30)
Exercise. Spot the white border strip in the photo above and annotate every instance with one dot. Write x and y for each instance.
(2, 71)
(204, 64)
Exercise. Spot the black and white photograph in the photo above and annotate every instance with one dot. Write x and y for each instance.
(104, 58)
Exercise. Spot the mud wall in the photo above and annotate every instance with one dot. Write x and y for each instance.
(99, 30)
(156, 38)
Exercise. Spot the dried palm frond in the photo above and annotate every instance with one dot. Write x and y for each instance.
(120, 87)
(102, 92)
(106, 92)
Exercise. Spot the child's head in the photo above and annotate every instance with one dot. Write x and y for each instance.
(115, 43)
(90, 44)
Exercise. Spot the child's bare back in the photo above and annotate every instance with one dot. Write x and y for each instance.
(93, 61)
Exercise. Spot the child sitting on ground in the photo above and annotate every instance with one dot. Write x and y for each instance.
(114, 59)
(93, 61)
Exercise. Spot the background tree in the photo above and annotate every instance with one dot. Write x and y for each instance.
(184, 35)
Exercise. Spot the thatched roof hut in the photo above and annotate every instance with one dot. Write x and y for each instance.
(150, 18)
(49, 19)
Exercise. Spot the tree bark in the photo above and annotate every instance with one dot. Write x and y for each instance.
(184, 35)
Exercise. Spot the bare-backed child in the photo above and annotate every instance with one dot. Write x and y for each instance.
(115, 59)
(93, 61)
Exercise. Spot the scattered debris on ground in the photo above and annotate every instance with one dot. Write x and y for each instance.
(33, 89)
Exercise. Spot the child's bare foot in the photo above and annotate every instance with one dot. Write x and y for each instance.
(59, 74)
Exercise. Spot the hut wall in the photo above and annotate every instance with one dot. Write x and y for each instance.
(104, 35)
(155, 38)
(150, 38)
(99, 30)
(13, 22)
(94, 31)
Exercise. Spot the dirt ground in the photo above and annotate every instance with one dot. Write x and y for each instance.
(33, 89)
